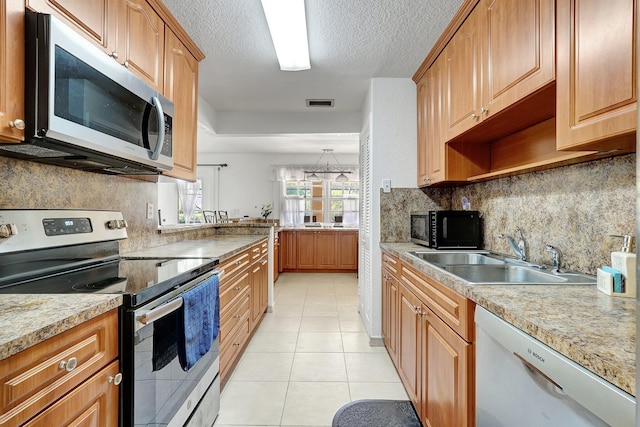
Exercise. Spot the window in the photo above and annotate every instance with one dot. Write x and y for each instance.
(323, 201)
(194, 195)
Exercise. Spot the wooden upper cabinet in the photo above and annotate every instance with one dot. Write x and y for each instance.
(11, 70)
(93, 19)
(464, 76)
(596, 82)
(501, 54)
(520, 50)
(431, 168)
(141, 41)
(422, 91)
(181, 86)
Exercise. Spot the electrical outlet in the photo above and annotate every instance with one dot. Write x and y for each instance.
(386, 185)
(149, 210)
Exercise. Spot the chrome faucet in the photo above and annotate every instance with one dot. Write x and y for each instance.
(519, 248)
(556, 257)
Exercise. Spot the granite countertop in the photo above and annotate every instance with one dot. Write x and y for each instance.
(316, 228)
(595, 330)
(181, 228)
(221, 247)
(26, 320)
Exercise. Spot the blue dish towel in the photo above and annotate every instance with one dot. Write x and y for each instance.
(201, 321)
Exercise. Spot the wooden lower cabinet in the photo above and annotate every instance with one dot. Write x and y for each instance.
(244, 291)
(38, 389)
(259, 290)
(390, 292)
(409, 344)
(94, 403)
(434, 361)
(319, 250)
(447, 382)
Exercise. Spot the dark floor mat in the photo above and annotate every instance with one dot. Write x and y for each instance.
(373, 412)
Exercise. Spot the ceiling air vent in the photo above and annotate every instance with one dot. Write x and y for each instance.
(319, 102)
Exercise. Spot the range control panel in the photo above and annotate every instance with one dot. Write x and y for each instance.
(62, 226)
(29, 229)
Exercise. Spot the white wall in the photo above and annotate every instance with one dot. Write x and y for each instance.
(248, 180)
(391, 106)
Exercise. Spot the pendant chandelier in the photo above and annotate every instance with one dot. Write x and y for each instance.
(318, 170)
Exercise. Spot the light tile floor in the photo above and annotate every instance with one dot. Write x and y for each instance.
(308, 358)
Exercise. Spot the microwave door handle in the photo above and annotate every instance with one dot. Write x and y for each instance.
(444, 227)
(155, 154)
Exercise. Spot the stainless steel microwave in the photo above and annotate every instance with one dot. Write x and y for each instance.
(86, 111)
(447, 229)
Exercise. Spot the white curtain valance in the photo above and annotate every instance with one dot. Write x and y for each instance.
(296, 172)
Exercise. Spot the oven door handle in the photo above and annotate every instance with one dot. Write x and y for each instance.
(151, 316)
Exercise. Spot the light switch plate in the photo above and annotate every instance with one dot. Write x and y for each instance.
(386, 185)
(149, 210)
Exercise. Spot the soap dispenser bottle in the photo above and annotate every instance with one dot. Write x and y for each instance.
(625, 262)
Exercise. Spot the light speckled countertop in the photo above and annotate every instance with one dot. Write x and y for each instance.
(594, 330)
(26, 320)
(222, 247)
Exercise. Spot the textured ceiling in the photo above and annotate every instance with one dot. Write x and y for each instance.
(350, 42)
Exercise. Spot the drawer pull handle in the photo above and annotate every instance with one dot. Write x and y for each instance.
(237, 316)
(115, 379)
(263, 262)
(69, 365)
(238, 288)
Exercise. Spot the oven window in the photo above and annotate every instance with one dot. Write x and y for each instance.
(87, 97)
(160, 384)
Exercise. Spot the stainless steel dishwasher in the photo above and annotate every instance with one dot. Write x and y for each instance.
(522, 382)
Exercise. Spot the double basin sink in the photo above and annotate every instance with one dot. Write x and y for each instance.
(485, 268)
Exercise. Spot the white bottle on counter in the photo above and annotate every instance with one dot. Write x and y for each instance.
(625, 262)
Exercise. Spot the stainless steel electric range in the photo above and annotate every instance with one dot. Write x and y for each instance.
(73, 251)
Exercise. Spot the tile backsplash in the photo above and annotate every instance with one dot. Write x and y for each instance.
(574, 208)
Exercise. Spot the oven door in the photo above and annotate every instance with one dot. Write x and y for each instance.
(157, 391)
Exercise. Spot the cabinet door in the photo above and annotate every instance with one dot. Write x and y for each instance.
(141, 41)
(347, 250)
(423, 129)
(409, 338)
(11, 70)
(306, 249)
(596, 81)
(464, 76)
(181, 86)
(255, 279)
(447, 377)
(93, 403)
(436, 163)
(289, 252)
(390, 314)
(95, 20)
(327, 250)
(520, 53)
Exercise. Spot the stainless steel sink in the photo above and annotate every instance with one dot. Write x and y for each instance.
(458, 258)
(485, 268)
(506, 273)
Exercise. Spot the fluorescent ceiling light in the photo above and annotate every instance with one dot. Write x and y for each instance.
(288, 26)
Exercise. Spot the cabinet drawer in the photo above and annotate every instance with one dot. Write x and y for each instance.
(94, 403)
(233, 266)
(231, 291)
(255, 252)
(230, 348)
(391, 263)
(233, 315)
(37, 376)
(454, 309)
